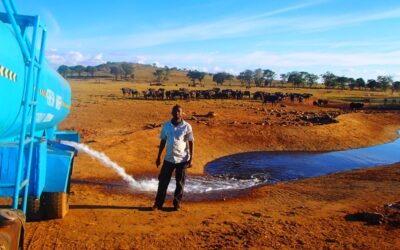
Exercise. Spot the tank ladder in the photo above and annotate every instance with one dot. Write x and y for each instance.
(33, 64)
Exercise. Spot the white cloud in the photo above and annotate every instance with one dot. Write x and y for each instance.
(217, 69)
(159, 65)
(95, 60)
(72, 58)
(139, 59)
(55, 59)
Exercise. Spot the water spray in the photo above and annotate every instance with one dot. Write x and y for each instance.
(194, 184)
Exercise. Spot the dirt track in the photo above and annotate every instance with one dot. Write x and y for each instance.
(303, 214)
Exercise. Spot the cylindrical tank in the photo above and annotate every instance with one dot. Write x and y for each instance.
(54, 98)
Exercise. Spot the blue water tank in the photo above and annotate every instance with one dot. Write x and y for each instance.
(54, 99)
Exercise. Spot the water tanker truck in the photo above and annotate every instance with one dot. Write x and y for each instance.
(35, 169)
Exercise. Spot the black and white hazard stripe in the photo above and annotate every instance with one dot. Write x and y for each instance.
(7, 73)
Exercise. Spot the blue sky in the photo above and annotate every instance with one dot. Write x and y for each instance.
(353, 38)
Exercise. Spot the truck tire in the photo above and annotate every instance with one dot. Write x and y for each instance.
(33, 209)
(55, 205)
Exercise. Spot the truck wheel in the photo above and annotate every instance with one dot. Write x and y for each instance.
(33, 209)
(55, 205)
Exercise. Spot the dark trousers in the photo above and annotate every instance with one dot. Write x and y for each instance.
(165, 177)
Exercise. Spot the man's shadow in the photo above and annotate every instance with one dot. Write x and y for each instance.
(142, 209)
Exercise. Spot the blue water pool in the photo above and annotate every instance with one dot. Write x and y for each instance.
(285, 166)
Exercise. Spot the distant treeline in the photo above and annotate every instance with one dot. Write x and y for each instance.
(262, 78)
(248, 78)
(108, 69)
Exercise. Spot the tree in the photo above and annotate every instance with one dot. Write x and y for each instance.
(246, 76)
(79, 69)
(384, 82)
(194, 75)
(63, 70)
(284, 78)
(329, 79)
(167, 72)
(127, 68)
(159, 75)
(297, 78)
(219, 78)
(116, 71)
(258, 76)
(91, 70)
(229, 77)
(71, 71)
(240, 77)
(201, 76)
(352, 83)
(269, 76)
(360, 83)
(342, 81)
(372, 84)
(310, 79)
(396, 86)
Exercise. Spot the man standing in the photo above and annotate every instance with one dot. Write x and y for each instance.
(177, 134)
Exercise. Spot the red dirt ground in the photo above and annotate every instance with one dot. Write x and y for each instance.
(305, 214)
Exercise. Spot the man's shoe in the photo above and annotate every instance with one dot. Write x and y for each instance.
(177, 208)
(155, 207)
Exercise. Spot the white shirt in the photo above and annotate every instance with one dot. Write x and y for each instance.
(177, 137)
